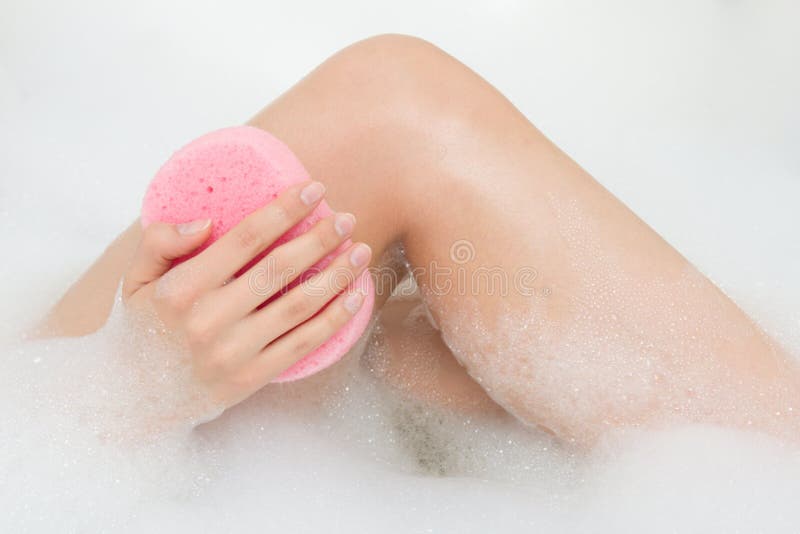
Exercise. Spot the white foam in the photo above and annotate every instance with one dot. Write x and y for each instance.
(342, 448)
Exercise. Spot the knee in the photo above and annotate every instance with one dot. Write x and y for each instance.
(399, 77)
(403, 60)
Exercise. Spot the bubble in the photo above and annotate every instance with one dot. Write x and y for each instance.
(85, 448)
(622, 346)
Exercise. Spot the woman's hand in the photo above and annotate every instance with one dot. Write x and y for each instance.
(235, 347)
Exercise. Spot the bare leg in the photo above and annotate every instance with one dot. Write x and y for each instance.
(617, 330)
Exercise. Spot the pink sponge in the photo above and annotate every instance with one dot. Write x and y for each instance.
(226, 175)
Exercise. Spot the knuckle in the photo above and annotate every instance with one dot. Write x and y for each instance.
(199, 330)
(291, 201)
(280, 212)
(317, 241)
(248, 235)
(178, 301)
(334, 319)
(302, 345)
(299, 309)
(327, 238)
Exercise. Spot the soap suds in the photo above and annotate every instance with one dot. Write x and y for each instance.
(341, 450)
(633, 349)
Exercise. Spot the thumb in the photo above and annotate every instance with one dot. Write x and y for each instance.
(160, 245)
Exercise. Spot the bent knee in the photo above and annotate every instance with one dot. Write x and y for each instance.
(391, 58)
(401, 75)
(395, 55)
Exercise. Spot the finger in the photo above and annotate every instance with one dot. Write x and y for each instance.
(283, 265)
(294, 346)
(305, 300)
(256, 232)
(160, 244)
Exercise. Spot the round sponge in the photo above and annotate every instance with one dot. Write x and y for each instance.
(226, 175)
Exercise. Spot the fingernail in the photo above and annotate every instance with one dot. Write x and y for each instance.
(193, 227)
(344, 223)
(353, 302)
(312, 192)
(360, 255)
